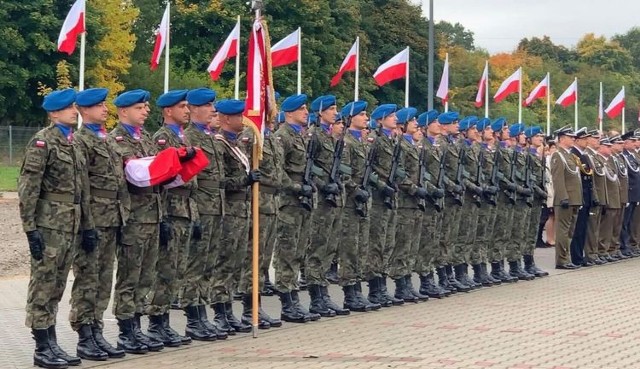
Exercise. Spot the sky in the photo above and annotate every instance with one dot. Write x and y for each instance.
(499, 25)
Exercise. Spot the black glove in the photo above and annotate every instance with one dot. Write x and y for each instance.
(595, 203)
(564, 203)
(196, 231)
(457, 189)
(438, 193)
(331, 189)
(510, 186)
(491, 190)
(477, 190)
(191, 152)
(421, 193)
(90, 239)
(388, 190)
(165, 234)
(253, 177)
(362, 196)
(306, 191)
(119, 236)
(525, 191)
(36, 244)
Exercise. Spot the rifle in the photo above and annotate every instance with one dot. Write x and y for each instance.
(389, 201)
(421, 175)
(361, 207)
(527, 181)
(459, 197)
(479, 178)
(334, 176)
(438, 204)
(512, 177)
(494, 181)
(307, 178)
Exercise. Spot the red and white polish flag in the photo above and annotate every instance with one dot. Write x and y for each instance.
(162, 34)
(394, 68)
(538, 92)
(569, 96)
(348, 64)
(482, 85)
(153, 170)
(228, 50)
(443, 89)
(285, 51)
(72, 27)
(615, 107)
(509, 86)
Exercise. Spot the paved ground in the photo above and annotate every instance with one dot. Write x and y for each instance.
(572, 319)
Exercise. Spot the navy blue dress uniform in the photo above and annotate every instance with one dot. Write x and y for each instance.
(586, 176)
(633, 170)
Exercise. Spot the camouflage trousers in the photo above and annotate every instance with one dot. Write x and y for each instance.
(320, 254)
(267, 224)
(465, 239)
(501, 229)
(451, 215)
(531, 237)
(48, 277)
(379, 237)
(293, 235)
(429, 238)
(363, 268)
(93, 279)
(268, 239)
(209, 245)
(519, 227)
(228, 275)
(481, 252)
(334, 240)
(351, 246)
(407, 242)
(136, 273)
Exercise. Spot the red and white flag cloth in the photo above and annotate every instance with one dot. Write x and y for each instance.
(348, 64)
(162, 35)
(509, 86)
(165, 166)
(394, 68)
(286, 50)
(569, 96)
(482, 85)
(615, 107)
(228, 50)
(443, 89)
(72, 27)
(538, 92)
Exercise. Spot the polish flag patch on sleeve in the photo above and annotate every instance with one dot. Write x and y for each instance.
(40, 143)
(162, 141)
(119, 138)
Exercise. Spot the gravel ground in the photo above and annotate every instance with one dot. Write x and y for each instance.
(14, 251)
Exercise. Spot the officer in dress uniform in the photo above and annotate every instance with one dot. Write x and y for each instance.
(623, 176)
(598, 202)
(579, 156)
(612, 206)
(633, 170)
(634, 238)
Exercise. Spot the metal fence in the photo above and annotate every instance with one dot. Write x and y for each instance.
(13, 141)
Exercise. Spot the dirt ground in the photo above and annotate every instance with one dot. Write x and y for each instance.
(14, 251)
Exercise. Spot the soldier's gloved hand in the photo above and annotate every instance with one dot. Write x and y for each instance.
(421, 193)
(491, 190)
(187, 154)
(165, 234)
(36, 244)
(564, 203)
(388, 190)
(477, 190)
(331, 189)
(253, 177)
(306, 191)
(196, 231)
(458, 189)
(438, 193)
(362, 196)
(525, 191)
(510, 186)
(90, 239)
(595, 203)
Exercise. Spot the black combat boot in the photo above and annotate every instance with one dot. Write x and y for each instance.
(332, 274)
(316, 304)
(175, 304)
(375, 293)
(385, 293)
(402, 293)
(295, 298)
(143, 338)
(517, 272)
(531, 267)
(302, 280)
(454, 281)
(351, 302)
(212, 328)
(273, 322)
(220, 319)
(491, 278)
(171, 333)
(43, 356)
(467, 278)
(195, 328)
(156, 332)
(127, 340)
(409, 286)
(443, 281)
(238, 325)
(324, 290)
(268, 289)
(103, 344)
(497, 271)
(480, 277)
(428, 287)
(87, 347)
(53, 342)
(462, 276)
(288, 312)
(357, 288)
(247, 313)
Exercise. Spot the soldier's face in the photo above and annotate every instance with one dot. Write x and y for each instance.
(418, 135)
(202, 114)
(232, 123)
(337, 128)
(487, 134)
(390, 121)
(521, 139)
(329, 114)
(537, 140)
(359, 121)
(472, 133)
(298, 116)
(135, 114)
(412, 126)
(629, 145)
(67, 116)
(453, 128)
(434, 128)
(95, 114)
(179, 113)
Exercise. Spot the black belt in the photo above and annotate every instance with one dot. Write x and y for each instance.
(236, 196)
(60, 197)
(142, 190)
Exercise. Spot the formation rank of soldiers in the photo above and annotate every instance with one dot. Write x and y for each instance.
(384, 196)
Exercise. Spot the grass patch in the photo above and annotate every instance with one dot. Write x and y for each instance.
(9, 178)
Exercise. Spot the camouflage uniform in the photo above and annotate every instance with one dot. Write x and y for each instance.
(182, 212)
(539, 198)
(93, 272)
(486, 213)
(453, 211)
(138, 253)
(54, 199)
(516, 242)
(505, 209)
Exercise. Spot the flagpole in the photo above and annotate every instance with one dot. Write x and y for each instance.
(236, 92)
(355, 95)
(520, 97)
(600, 111)
(623, 125)
(406, 83)
(486, 90)
(548, 103)
(166, 47)
(446, 102)
(299, 61)
(83, 41)
(576, 106)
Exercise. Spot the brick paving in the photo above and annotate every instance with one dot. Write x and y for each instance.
(584, 319)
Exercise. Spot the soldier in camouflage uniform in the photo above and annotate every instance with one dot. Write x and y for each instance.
(54, 207)
(137, 253)
(93, 271)
(293, 218)
(196, 289)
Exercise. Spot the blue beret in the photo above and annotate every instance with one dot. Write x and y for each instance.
(276, 95)
(338, 118)
(58, 100)
(171, 98)
(427, 118)
(516, 129)
(383, 110)
(131, 97)
(201, 96)
(405, 115)
(532, 131)
(483, 124)
(448, 117)
(230, 107)
(312, 118)
(293, 102)
(353, 108)
(468, 122)
(280, 117)
(91, 96)
(498, 124)
(322, 103)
